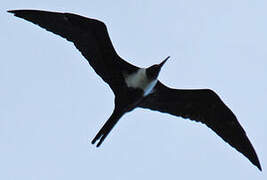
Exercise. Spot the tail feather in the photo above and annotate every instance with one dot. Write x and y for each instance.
(108, 126)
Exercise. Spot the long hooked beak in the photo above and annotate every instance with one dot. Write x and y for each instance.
(163, 62)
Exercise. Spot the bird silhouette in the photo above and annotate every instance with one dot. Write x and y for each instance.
(139, 87)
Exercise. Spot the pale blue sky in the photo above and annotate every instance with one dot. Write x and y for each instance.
(52, 103)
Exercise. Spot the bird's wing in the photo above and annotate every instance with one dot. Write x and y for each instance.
(204, 106)
(90, 36)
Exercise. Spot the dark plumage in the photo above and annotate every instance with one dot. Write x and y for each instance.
(135, 87)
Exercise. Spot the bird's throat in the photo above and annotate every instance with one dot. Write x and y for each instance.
(139, 80)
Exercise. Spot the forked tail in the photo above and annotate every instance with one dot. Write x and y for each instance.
(104, 131)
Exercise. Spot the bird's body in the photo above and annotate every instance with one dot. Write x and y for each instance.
(139, 87)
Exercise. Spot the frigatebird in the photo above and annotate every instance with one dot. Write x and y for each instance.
(139, 87)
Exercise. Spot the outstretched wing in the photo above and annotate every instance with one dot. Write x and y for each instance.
(90, 36)
(204, 106)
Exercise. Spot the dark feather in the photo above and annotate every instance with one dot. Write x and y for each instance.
(204, 106)
(90, 36)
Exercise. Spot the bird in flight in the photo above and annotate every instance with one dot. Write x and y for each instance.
(139, 87)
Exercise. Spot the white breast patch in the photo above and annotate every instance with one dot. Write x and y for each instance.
(140, 80)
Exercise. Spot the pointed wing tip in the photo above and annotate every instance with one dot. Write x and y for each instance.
(20, 12)
(254, 160)
(257, 164)
(11, 11)
(16, 12)
(251, 155)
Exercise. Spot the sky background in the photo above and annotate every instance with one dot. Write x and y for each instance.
(53, 103)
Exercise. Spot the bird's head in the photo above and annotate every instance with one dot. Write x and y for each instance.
(153, 71)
